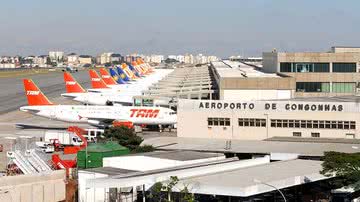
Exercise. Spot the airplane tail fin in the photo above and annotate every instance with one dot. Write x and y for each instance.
(72, 86)
(34, 94)
(122, 74)
(96, 81)
(116, 77)
(106, 77)
(134, 71)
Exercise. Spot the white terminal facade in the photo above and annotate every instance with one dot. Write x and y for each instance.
(259, 120)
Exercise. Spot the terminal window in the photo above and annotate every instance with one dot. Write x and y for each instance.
(218, 121)
(344, 67)
(297, 134)
(321, 124)
(252, 122)
(304, 67)
(312, 87)
(315, 134)
(343, 87)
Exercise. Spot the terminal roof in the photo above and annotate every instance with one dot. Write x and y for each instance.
(236, 69)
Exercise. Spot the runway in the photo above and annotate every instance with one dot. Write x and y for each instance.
(52, 85)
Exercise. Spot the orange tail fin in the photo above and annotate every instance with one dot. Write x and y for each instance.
(96, 81)
(34, 94)
(106, 77)
(72, 86)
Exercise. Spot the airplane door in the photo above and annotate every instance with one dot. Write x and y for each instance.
(53, 113)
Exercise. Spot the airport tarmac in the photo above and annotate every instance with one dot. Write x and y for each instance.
(52, 85)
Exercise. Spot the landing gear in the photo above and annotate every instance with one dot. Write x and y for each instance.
(160, 128)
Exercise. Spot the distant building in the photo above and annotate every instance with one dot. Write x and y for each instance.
(104, 58)
(116, 58)
(180, 58)
(85, 59)
(56, 56)
(72, 58)
(189, 59)
(156, 58)
(41, 60)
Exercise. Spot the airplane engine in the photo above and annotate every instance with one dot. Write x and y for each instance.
(118, 123)
(109, 103)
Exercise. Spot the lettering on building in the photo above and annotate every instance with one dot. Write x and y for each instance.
(272, 106)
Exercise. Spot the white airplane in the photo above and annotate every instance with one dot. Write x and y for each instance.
(100, 116)
(77, 93)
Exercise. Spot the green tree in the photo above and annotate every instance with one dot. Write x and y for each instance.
(162, 192)
(127, 138)
(345, 167)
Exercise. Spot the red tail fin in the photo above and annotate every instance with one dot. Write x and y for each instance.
(106, 77)
(72, 86)
(34, 95)
(96, 81)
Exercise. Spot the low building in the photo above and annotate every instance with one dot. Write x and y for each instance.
(85, 59)
(259, 120)
(333, 73)
(41, 60)
(56, 56)
(72, 59)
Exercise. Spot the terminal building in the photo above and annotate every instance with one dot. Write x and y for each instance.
(333, 73)
(259, 120)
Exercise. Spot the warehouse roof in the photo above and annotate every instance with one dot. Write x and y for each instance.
(109, 171)
(104, 147)
(280, 174)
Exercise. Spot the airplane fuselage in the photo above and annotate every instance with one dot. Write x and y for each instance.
(102, 115)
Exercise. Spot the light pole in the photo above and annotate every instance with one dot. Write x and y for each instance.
(272, 186)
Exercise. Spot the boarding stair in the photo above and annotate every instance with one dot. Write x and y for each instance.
(21, 162)
(35, 160)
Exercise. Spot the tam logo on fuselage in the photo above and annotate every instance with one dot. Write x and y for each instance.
(105, 76)
(32, 92)
(144, 113)
(71, 83)
(95, 79)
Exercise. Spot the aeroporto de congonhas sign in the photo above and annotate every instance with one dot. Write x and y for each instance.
(270, 106)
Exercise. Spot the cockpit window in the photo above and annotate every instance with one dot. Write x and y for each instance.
(172, 113)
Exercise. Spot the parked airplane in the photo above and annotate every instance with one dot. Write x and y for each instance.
(100, 116)
(136, 87)
(76, 92)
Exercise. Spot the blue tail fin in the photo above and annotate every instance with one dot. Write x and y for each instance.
(134, 70)
(116, 77)
(122, 74)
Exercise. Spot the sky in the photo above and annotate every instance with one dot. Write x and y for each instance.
(211, 27)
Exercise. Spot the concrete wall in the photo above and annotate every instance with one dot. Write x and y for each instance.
(257, 94)
(39, 188)
(189, 110)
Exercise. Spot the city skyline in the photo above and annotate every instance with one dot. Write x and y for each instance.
(161, 27)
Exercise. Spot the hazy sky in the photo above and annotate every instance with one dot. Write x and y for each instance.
(219, 27)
